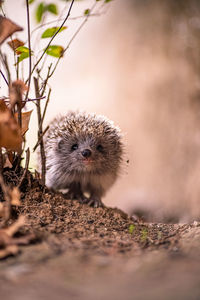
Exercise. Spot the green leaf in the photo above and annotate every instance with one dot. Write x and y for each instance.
(86, 12)
(22, 56)
(30, 1)
(22, 49)
(40, 11)
(49, 32)
(106, 1)
(52, 8)
(54, 50)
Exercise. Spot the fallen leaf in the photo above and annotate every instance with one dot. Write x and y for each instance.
(1, 209)
(15, 197)
(7, 28)
(25, 121)
(14, 44)
(8, 243)
(10, 133)
(12, 229)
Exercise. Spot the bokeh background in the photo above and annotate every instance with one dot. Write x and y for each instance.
(138, 63)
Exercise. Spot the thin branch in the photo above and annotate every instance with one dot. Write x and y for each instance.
(28, 100)
(46, 104)
(67, 16)
(4, 77)
(25, 169)
(40, 133)
(29, 46)
(38, 142)
(61, 19)
(35, 99)
(46, 80)
(72, 38)
(6, 66)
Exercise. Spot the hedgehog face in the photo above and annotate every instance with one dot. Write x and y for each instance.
(88, 154)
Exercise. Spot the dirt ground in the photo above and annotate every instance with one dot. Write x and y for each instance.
(80, 252)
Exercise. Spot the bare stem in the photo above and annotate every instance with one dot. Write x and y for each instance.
(4, 77)
(46, 104)
(40, 133)
(29, 46)
(46, 80)
(26, 168)
(67, 16)
(61, 19)
(38, 142)
(6, 66)
(73, 37)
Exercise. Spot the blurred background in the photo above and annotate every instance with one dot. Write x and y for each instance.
(138, 63)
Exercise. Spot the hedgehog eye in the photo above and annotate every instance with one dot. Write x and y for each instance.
(74, 147)
(100, 148)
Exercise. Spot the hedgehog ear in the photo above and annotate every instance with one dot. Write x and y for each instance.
(60, 144)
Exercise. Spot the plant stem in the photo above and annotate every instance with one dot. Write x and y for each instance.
(4, 78)
(72, 38)
(39, 60)
(26, 168)
(40, 133)
(29, 46)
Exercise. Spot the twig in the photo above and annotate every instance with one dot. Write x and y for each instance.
(5, 63)
(40, 133)
(29, 46)
(73, 37)
(4, 77)
(46, 104)
(61, 19)
(38, 142)
(46, 80)
(26, 168)
(28, 100)
(7, 68)
(67, 16)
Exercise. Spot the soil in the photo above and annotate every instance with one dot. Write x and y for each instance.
(81, 252)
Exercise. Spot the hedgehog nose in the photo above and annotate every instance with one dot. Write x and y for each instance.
(86, 153)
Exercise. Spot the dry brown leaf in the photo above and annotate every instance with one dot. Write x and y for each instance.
(10, 231)
(7, 28)
(9, 250)
(15, 197)
(1, 209)
(8, 243)
(10, 133)
(25, 121)
(14, 44)
(15, 92)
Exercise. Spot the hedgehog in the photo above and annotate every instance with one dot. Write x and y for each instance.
(83, 156)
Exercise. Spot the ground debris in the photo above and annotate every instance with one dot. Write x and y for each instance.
(9, 243)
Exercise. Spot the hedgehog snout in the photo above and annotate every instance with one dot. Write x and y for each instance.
(86, 153)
